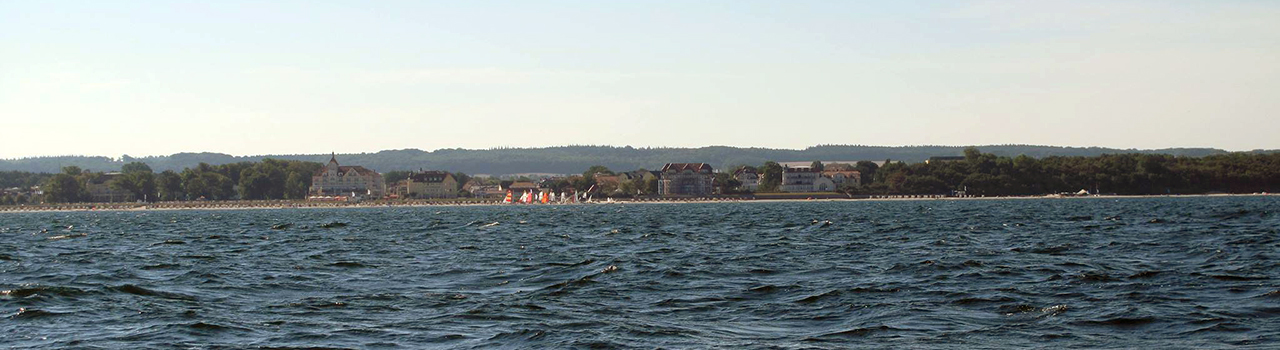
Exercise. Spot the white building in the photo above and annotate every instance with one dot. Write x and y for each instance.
(805, 179)
(336, 180)
(844, 178)
(749, 178)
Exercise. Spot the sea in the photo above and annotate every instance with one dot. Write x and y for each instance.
(1115, 273)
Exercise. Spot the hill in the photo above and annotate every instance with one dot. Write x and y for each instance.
(574, 159)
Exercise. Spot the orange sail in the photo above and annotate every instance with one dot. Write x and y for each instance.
(545, 198)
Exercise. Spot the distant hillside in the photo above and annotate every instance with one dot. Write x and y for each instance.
(574, 159)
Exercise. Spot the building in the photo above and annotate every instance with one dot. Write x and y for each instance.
(519, 187)
(488, 191)
(99, 188)
(749, 178)
(843, 178)
(427, 184)
(634, 176)
(807, 179)
(22, 195)
(798, 179)
(337, 180)
(685, 179)
(471, 186)
(603, 180)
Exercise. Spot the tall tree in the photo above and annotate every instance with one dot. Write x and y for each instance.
(169, 186)
(141, 184)
(395, 176)
(64, 188)
(461, 178)
(135, 167)
(296, 185)
(596, 169)
(726, 183)
(770, 176)
(867, 170)
(651, 185)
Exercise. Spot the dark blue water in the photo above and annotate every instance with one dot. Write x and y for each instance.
(1073, 273)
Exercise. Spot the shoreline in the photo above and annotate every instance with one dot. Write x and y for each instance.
(301, 204)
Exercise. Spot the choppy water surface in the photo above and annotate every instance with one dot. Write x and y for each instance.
(1172, 272)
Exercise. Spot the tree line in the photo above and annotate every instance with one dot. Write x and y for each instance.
(984, 174)
(267, 179)
(1125, 174)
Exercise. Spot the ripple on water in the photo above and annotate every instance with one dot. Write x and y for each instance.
(1028, 273)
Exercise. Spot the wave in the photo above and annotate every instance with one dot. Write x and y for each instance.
(136, 290)
(30, 313)
(1124, 322)
(35, 290)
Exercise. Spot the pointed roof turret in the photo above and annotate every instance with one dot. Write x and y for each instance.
(333, 158)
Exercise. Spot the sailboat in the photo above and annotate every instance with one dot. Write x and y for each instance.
(546, 197)
(508, 199)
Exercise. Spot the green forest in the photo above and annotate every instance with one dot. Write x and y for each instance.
(986, 174)
(268, 179)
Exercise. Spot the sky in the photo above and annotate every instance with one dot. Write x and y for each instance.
(141, 78)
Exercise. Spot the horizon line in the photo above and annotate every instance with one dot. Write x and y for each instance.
(120, 157)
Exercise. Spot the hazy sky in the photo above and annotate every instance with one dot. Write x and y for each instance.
(147, 78)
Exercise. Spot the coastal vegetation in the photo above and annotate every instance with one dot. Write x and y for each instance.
(977, 173)
(267, 179)
(988, 174)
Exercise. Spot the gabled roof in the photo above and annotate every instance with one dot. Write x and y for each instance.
(430, 176)
(799, 169)
(347, 170)
(745, 170)
(695, 167)
(601, 178)
(523, 185)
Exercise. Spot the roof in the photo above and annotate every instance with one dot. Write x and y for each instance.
(745, 170)
(695, 167)
(799, 169)
(849, 173)
(601, 178)
(429, 176)
(348, 169)
(522, 185)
